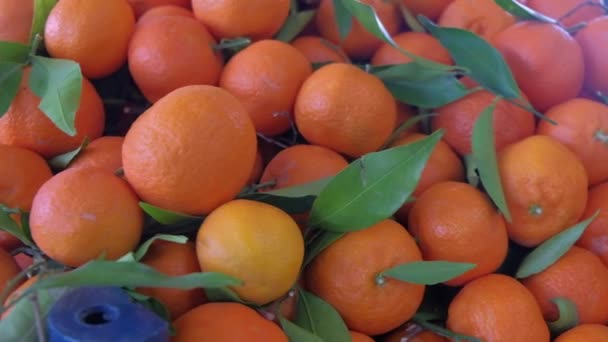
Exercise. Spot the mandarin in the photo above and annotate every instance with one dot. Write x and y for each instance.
(595, 237)
(483, 17)
(319, 50)
(16, 20)
(585, 333)
(104, 152)
(418, 43)
(593, 41)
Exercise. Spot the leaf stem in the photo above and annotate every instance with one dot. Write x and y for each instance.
(272, 141)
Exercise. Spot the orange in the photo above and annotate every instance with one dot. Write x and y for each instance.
(141, 7)
(585, 333)
(511, 123)
(418, 43)
(23, 260)
(165, 10)
(79, 30)
(429, 8)
(413, 335)
(359, 337)
(27, 126)
(75, 212)
(345, 109)
(545, 186)
(254, 242)
(568, 12)
(593, 41)
(582, 126)
(174, 259)
(22, 172)
(535, 51)
(104, 152)
(177, 176)
(260, 19)
(483, 17)
(300, 164)
(404, 113)
(443, 165)
(359, 43)
(16, 20)
(497, 308)
(258, 168)
(579, 276)
(170, 52)
(595, 237)
(454, 221)
(8, 269)
(319, 50)
(266, 77)
(226, 322)
(346, 275)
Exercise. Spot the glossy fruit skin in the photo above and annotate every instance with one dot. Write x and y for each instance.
(345, 109)
(177, 176)
(104, 152)
(16, 20)
(254, 242)
(483, 17)
(170, 52)
(174, 259)
(595, 237)
(82, 207)
(165, 10)
(418, 43)
(78, 30)
(542, 202)
(534, 51)
(220, 16)
(497, 308)
(226, 322)
(266, 77)
(429, 8)
(300, 164)
(319, 50)
(25, 125)
(579, 276)
(359, 43)
(586, 333)
(454, 221)
(558, 9)
(345, 275)
(582, 126)
(140, 7)
(510, 123)
(593, 41)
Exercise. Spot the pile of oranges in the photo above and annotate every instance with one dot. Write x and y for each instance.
(219, 105)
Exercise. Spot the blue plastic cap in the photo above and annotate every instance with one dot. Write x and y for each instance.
(103, 314)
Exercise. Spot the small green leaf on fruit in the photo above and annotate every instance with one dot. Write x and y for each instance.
(11, 52)
(429, 93)
(294, 25)
(144, 247)
(42, 8)
(320, 318)
(551, 250)
(165, 216)
(296, 333)
(10, 80)
(62, 161)
(320, 243)
(428, 272)
(343, 18)
(568, 316)
(8, 225)
(293, 200)
(522, 11)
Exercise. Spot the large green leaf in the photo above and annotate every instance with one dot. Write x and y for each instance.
(317, 316)
(13, 52)
(343, 18)
(372, 188)
(485, 64)
(10, 79)
(42, 8)
(165, 216)
(522, 11)
(58, 82)
(62, 161)
(551, 250)
(296, 333)
(320, 243)
(430, 93)
(293, 200)
(294, 25)
(428, 272)
(484, 155)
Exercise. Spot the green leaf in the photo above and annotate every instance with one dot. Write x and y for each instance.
(296, 333)
(551, 250)
(151, 304)
(294, 25)
(405, 72)
(343, 18)
(165, 216)
(568, 316)
(62, 161)
(372, 188)
(10, 79)
(14, 52)
(143, 249)
(486, 65)
(19, 324)
(316, 246)
(430, 93)
(522, 11)
(8, 225)
(129, 274)
(42, 8)
(224, 294)
(428, 272)
(294, 199)
(320, 318)
(58, 82)
(483, 147)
